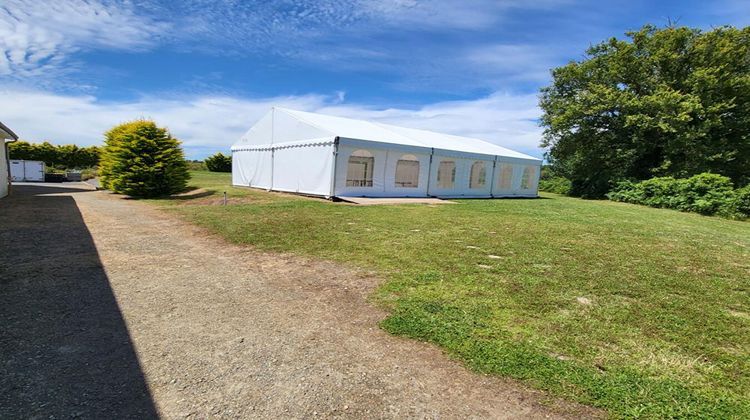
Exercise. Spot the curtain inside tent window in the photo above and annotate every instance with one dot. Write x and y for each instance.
(478, 175)
(506, 177)
(359, 170)
(407, 172)
(446, 176)
(528, 174)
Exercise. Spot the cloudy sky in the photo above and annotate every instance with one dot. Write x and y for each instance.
(208, 69)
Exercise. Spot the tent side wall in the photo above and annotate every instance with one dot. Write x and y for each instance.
(516, 178)
(304, 169)
(374, 167)
(464, 174)
(456, 174)
(252, 167)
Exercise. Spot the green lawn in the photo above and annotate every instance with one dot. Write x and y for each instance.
(640, 311)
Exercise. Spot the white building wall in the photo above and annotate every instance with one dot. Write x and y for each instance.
(3, 169)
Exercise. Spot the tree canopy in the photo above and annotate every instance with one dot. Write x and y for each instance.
(142, 160)
(665, 102)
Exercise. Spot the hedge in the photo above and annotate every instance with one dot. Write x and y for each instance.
(556, 184)
(706, 193)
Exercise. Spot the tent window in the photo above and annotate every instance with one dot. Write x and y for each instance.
(506, 177)
(407, 172)
(446, 176)
(526, 179)
(359, 170)
(478, 175)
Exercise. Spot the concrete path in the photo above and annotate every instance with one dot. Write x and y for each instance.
(111, 308)
(372, 201)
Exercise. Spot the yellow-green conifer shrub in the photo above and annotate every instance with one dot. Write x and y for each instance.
(142, 160)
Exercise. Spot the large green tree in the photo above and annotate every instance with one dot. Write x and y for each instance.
(142, 160)
(665, 102)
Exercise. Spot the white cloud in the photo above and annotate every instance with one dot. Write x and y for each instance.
(36, 37)
(210, 124)
(40, 40)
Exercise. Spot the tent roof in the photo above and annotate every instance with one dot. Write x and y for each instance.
(386, 133)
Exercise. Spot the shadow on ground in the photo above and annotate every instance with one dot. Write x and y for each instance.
(65, 350)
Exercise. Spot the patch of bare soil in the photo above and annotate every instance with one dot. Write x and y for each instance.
(187, 325)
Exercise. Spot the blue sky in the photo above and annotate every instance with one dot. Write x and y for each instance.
(209, 69)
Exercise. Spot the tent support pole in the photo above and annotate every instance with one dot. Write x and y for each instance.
(333, 170)
(270, 187)
(492, 181)
(429, 170)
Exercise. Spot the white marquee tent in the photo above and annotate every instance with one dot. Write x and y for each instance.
(331, 156)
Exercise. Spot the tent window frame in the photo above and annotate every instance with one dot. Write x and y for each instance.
(506, 177)
(526, 178)
(446, 182)
(360, 177)
(407, 172)
(478, 175)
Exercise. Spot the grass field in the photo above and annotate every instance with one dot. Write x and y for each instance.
(640, 311)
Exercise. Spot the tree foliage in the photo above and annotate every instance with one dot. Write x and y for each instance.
(142, 160)
(666, 102)
(705, 193)
(219, 163)
(67, 156)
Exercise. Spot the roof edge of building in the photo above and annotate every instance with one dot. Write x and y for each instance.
(10, 132)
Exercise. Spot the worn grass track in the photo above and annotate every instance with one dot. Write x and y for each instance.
(640, 311)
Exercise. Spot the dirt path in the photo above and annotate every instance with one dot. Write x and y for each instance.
(111, 307)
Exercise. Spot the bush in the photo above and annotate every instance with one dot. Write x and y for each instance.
(556, 184)
(705, 193)
(654, 192)
(142, 160)
(742, 201)
(219, 163)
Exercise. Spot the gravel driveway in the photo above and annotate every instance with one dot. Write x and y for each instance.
(112, 308)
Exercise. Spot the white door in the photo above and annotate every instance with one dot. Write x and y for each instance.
(16, 170)
(33, 170)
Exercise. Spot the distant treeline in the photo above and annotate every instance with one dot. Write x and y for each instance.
(68, 156)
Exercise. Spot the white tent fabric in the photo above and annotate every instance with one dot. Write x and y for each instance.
(317, 154)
